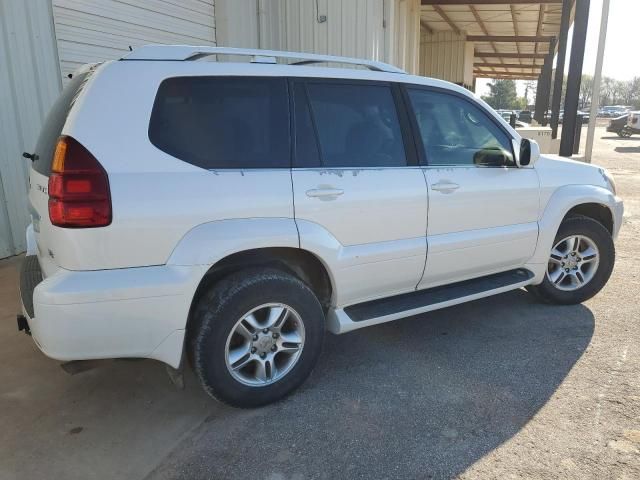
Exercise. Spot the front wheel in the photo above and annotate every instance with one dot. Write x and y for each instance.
(255, 337)
(580, 262)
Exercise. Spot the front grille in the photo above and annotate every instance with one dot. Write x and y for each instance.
(30, 276)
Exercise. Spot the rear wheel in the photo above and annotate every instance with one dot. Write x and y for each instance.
(580, 262)
(255, 337)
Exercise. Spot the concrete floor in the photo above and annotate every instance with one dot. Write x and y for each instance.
(499, 388)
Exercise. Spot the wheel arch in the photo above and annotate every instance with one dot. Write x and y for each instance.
(587, 200)
(296, 261)
(597, 211)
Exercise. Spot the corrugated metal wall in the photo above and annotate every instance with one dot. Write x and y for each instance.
(237, 23)
(403, 31)
(386, 30)
(448, 56)
(29, 84)
(95, 30)
(338, 27)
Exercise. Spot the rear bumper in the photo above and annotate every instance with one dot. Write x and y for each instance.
(132, 312)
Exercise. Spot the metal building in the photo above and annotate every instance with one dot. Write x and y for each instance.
(42, 41)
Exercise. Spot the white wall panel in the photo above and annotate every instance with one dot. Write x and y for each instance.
(352, 28)
(385, 30)
(446, 55)
(29, 84)
(96, 30)
(237, 23)
(403, 32)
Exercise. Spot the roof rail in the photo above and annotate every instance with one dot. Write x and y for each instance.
(188, 52)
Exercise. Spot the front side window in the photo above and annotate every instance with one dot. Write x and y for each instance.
(456, 132)
(356, 125)
(223, 122)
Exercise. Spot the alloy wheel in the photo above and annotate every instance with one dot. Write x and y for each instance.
(264, 344)
(573, 262)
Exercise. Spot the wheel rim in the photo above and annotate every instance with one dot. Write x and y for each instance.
(264, 345)
(573, 262)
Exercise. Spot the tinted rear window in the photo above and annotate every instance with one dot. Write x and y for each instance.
(357, 125)
(223, 122)
(55, 120)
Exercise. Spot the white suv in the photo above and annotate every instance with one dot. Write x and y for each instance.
(229, 213)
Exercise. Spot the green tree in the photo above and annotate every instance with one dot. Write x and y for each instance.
(503, 94)
(586, 89)
(530, 88)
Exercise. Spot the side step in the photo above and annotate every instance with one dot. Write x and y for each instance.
(400, 306)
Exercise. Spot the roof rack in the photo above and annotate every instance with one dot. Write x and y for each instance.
(188, 52)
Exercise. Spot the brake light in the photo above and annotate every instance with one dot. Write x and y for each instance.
(79, 194)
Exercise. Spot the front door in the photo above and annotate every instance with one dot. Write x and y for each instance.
(483, 210)
(358, 187)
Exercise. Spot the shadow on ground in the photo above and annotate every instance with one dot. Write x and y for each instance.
(627, 149)
(618, 137)
(424, 397)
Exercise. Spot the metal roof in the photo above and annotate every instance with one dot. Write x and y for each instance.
(511, 37)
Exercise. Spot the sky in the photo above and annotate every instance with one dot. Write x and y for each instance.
(622, 50)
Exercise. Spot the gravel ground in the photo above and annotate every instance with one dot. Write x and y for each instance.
(499, 388)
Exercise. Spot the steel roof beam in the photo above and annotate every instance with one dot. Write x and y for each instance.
(509, 55)
(510, 38)
(486, 2)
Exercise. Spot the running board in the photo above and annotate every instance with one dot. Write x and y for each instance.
(407, 304)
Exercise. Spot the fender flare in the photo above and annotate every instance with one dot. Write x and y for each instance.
(559, 204)
(208, 243)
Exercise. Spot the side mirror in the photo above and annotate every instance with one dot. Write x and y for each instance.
(490, 157)
(527, 153)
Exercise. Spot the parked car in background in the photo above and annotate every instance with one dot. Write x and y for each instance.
(229, 213)
(633, 124)
(613, 111)
(585, 115)
(525, 116)
(618, 125)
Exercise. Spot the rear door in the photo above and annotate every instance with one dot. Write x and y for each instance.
(483, 210)
(356, 179)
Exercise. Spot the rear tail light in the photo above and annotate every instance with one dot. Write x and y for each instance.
(78, 188)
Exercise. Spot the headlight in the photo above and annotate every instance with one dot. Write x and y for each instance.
(610, 181)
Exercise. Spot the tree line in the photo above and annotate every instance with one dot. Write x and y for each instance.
(612, 91)
(503, 93)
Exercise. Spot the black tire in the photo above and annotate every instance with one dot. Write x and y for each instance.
(217, 312)
(580, 225)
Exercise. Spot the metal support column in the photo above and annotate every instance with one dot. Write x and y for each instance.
(544, 85)
(565, 19)
(580, 22)
(595, 96)
(538, 113)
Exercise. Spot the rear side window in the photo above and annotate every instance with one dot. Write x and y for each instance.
(356, 125)
(54, 122)
(223, 122)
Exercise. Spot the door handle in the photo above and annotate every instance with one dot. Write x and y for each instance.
(324, 192)
(445, 186)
